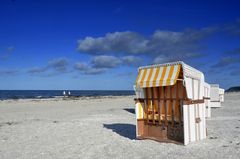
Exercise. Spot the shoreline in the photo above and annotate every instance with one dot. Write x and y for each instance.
(58, 98)
(67, 98)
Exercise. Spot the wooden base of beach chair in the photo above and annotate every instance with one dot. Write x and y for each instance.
(160, 140)
(161, 133)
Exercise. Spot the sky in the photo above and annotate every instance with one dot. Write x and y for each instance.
(99, 45)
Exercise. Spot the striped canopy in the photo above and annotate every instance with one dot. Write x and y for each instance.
(155, 76)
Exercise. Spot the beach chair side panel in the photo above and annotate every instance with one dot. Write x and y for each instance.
(194, 114)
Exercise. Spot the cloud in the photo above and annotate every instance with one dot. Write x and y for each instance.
(101, 63)
(232, 28)
(132, 60)
(133, 49)
(81, 66)
(127, 41)
(230, 60)
(178, 45)
(36, 70)
(104, 61)
(125, 74)
(161, 46)
(162, 43)
(54, 67)
(226, 61)
(95, 71)
(8, 72)
(160, 59)
(59, 64)
(87, 69)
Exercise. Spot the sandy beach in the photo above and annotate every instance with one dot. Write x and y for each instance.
(104, 127)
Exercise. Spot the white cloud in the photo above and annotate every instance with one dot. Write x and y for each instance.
(113, 42)
(54, 67)
(81, 66)
(132, 60)
(101, 63)
(87, 69)
(59, 64)
(36, 70)
(104, 61)
(165, 44)
(227, 61)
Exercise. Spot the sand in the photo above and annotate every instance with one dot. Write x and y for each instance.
(104, 128)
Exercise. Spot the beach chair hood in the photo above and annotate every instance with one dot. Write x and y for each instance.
(167, 74)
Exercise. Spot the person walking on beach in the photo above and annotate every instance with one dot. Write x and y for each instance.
(64, 93)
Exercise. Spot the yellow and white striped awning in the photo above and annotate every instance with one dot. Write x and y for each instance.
(162, 75)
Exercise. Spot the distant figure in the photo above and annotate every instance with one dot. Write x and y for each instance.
(64, 93)
(69, 93)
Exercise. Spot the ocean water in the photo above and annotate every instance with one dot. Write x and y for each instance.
(38, 94)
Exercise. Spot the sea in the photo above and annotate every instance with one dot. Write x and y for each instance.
(41, 94)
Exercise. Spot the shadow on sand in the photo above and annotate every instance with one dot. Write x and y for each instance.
(130, 110)
(125, 130)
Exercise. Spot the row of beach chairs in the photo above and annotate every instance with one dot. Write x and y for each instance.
(215, 96)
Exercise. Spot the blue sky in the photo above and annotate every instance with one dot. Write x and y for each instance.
(70, 44)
